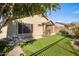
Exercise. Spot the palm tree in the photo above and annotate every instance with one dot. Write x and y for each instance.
(12, 11)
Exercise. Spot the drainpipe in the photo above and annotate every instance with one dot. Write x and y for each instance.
(17, 27)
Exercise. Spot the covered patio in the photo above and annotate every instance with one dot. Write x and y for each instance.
(48, 28)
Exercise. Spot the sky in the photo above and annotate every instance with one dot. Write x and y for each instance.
(68, 13)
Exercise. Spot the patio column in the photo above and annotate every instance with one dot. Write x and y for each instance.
(53, 28)
(44, 29)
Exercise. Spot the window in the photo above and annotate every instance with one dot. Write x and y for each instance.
(25, 28)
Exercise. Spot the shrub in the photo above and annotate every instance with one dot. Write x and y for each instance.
(63, 32)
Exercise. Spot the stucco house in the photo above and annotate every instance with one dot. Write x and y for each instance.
(29, 27)
(58, 27)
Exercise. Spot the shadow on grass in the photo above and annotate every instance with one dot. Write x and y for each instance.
(76, 54)
(45, 48)
(28, 42)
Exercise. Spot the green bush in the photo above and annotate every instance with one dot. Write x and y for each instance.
(63, 32)
(4, 46)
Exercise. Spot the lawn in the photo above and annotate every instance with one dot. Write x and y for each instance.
(56, 45)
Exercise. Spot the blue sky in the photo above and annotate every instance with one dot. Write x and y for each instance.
(69, 12)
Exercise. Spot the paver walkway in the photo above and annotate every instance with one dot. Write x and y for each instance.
(17, 51)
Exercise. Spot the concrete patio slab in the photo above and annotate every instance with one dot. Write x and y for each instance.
(17, 51)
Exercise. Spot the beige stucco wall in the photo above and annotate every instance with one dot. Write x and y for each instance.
(35, 20)
(3, 34)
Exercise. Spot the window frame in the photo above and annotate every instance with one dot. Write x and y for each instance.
(31, 25)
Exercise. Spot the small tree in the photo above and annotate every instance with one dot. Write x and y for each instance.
(75, 30)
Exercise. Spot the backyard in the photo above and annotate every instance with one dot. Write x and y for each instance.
(56, 45)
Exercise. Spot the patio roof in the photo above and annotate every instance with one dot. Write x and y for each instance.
(46, 17)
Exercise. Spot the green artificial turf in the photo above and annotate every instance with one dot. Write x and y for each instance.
(55, 45)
